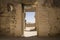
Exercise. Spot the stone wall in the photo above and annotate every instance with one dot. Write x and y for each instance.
(19, 19)
(54, 21)
(48, 18)
(10, 18)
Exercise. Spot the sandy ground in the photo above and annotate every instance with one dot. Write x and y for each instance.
(28, 33)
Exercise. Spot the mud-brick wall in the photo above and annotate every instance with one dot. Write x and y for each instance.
(10, 18)
(48, 18)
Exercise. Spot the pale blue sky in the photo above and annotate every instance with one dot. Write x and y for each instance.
(30, 17)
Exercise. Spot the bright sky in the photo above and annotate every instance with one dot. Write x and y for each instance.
(30, 17)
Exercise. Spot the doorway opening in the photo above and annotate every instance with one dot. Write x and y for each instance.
(30, 29)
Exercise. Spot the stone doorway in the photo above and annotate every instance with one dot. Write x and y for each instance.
(29, 28)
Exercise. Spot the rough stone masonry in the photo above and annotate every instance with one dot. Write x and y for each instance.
(47, 17)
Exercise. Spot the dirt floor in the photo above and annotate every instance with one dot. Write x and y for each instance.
(31, 38)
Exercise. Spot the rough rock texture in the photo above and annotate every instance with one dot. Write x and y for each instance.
(48, 17)
(10, 18)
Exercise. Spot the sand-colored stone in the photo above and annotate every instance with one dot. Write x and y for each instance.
(12, 17)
